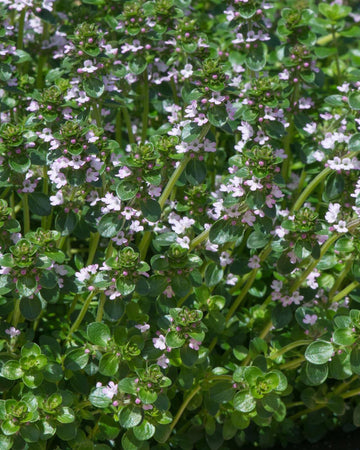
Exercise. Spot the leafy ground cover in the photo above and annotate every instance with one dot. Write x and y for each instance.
(179, 213)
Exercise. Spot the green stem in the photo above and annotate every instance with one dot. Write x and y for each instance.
(145, 105)
(172, 181)
(204, 236)
(100, 311)
(26, 212)
(146, 239)
(81, 315)
(346, 395)
(174, 92)
(45, 189)
(293, 364)
(325, 247)
(73, 304)
(345, 291)
(42, 58)
(178, 171)
(144, 244)
(181, 410)
(289, 347)
(323, 40)
(61, 242)
(20, 36)
(309, 188)
(242, 295)
(312, 185)
(263, 255)
(126, 116)
(16, 313)
(334, 36)
(96, 114)
(94, 242)
(286, 166)
(12, 205)
(118, 127)
(341, 277)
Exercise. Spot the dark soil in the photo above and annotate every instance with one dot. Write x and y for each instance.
(335, 440)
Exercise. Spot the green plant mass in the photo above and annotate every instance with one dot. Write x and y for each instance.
(179, 223)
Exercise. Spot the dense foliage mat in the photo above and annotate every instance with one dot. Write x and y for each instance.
(179, 214)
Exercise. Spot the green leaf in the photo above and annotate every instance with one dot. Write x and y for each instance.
(354, 143)
(319, 352)
(30, 433)
(275, 129)
(334, 100)
(98, 333)
(93, 87)
(98, 399)
(33, 379)
(48, 279)
(336, 404)
(256, 58)
(213, 274)
(109, 225)
(12, 370)
(247, 10)
(144, 431)
(130, 416)
(53, 373)
(325, 52)
(8, 427)
(188, 356)
(65, 415)
(173, 340)
(344, 336)
(244, 402)
(151, 210)
(181, 285)
(335, 11)
(147, 396)
(26, 285)
(76, 359)
(356, 415)
(340, 367)
(355, 360)
(257, 240)
(127, 386)
(30, 349)
(195, 172)
(345, 245)
(217, 116)
(66, 431)
(126, 190)
(39, 204)
(129, 442)
(109, 364)
(221, 392)
(109, 427)
(223, 231)
(66, 223)
(125, 286)
(137, 65)
(316, 374)
(5, 72)
(354, 100)
(190, 132)
(30, 308)
(335, 185)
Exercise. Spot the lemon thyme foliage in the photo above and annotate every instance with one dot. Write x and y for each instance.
(179, 223)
